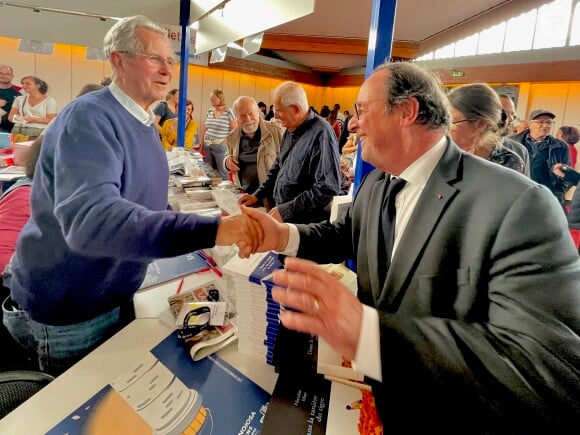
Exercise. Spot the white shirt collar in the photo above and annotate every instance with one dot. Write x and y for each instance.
(420, 170)
(147, 117)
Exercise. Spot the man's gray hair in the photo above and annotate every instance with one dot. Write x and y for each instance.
(243, 98)
(406, 80)
(9, 67)
(291, 94)
(123, 35)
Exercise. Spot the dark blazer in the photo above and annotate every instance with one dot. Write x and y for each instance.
(480, 311)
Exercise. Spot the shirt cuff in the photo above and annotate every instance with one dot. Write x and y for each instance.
(367, 359)
(293, 241)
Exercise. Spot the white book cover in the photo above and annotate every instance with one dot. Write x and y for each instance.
(257, 268)
(329, 361)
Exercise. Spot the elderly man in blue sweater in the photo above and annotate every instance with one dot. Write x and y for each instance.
(99, 208)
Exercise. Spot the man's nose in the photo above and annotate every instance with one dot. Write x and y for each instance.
(352, 124)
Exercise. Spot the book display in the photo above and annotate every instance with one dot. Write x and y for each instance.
(257, 313)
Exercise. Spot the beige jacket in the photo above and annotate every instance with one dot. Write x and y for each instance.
(268, 150)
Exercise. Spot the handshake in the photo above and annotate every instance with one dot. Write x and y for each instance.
(253, 231)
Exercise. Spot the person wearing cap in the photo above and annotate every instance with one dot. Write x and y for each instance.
(545, 151)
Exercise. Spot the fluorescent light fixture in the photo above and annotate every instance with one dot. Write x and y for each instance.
(235, 45)
(235, 19)
(218, 54)
(194, 25)
(252, 44)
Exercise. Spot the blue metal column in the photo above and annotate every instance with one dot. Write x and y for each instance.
(380, 42)
(184, 9)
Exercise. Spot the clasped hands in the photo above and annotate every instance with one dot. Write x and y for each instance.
(321, 305)
(253, 231)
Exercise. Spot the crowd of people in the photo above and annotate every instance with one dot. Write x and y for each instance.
(468, 298)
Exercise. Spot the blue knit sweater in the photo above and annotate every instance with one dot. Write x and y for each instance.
(99, 215)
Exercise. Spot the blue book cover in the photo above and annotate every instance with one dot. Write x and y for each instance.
(166, 269)
(256, 268)
(168, 393)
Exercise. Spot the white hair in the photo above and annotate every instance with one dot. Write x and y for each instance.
(123, 35)
(291, 94)
(242, 98)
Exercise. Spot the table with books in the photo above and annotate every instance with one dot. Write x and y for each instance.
(236, 388)
(168, 374)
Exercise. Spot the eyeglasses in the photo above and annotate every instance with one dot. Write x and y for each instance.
(357, 106)
(461, 120)
(154, 60)
(547, 122)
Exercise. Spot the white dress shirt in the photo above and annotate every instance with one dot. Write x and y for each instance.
(368, 353)
(147, 117)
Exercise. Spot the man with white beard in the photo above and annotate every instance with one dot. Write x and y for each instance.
(252, 146)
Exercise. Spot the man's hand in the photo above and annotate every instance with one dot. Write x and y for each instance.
(275, 233)
(325, 307)
(2, 102)
(232, 164)
(276, 214)
(242, 230)
(248, 200)
(559, 168)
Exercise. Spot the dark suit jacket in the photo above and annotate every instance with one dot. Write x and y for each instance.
(480, 311)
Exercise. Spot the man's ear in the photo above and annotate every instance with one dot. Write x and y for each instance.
(409, 111)
(117, 61)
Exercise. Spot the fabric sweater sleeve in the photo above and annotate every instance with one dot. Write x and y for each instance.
(90, 197)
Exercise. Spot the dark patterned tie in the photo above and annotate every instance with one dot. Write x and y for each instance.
(387, 229)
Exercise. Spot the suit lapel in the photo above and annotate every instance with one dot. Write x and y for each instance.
(438, 193)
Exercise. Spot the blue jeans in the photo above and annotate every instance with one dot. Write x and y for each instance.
(214, 157)
(58, 347)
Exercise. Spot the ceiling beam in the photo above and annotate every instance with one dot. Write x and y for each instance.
(319, 44)
(256, 68)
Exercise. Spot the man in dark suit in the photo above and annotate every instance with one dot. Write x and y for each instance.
(476, 326)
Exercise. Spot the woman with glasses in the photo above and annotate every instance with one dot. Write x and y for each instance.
(476, 124)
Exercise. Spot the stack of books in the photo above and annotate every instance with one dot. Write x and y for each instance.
(257, 313)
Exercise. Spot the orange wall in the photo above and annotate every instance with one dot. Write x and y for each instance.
(66, 71)
(562, 98)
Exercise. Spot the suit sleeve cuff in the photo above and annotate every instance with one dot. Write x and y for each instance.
(367, 359)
